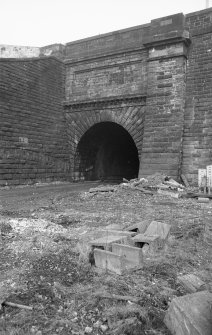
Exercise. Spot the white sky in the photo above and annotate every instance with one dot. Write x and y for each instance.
(44, 22)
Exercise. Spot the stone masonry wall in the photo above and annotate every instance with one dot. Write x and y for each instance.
(129, 114)
(162, 61)
(154, 80)
(106, 77)
(164, 119)
(197, 140)
(33, 146)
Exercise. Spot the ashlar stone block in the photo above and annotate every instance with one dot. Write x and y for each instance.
(152, 240)
(132, 254)
(107, 241)
(190, 314)
(158, 228)
(139, 227)
(109, 261)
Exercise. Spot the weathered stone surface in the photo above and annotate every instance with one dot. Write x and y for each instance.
(191, 283)
(32, 129)
(197, 137)
(139, 227)
(132, 254)
(190, 314)
(148, 243)
(110, 261)
(107, 232)
(158, 228)
(168, 193)
(114, 226)
(106, 241)
(145, 238)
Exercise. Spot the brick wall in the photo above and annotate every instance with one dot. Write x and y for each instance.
(32, 136)
(197, 142)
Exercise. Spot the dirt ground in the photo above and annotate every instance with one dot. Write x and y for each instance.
(44, 249)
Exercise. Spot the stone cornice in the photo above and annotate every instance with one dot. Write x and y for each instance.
(117, 53)
(105, 101)
(171, 40)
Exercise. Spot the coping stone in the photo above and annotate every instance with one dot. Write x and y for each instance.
(110, 261)
(145, 238)
(105, 242)
(152, 240)
(117, 232)
(132, 254)
(190, 314)
(139, 227)
(158, 228)
(114, 226)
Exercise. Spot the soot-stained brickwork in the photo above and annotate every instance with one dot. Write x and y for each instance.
(123, 104)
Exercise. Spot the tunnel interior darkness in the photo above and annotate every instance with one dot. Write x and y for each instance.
(107, 152)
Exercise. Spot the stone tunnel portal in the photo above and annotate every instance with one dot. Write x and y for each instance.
(107, 152)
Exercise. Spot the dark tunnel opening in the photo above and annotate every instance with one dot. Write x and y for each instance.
(107, 152)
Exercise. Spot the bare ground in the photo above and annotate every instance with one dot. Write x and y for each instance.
(44, 260)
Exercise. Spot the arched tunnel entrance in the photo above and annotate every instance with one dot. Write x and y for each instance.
(107, 152)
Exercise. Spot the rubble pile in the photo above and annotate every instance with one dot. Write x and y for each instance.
(162, 184)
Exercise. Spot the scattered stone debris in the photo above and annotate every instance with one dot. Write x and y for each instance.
(118, 251)
(44, 259)
(163, 185)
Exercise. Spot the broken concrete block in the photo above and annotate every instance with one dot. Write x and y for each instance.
(139, 227)
(109, 261)
(158, 228)
(141, 240)
(191, 283)
(132, 254)
(190, 314)
(106, 242)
